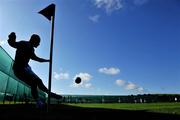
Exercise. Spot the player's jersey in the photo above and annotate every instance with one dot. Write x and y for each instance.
(24, 53)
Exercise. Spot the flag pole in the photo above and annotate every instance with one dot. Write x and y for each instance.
(49, 13)
(50, 63)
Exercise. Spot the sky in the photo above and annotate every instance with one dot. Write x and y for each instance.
(117, 47)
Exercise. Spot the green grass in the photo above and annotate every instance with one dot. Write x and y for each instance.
(170, 108)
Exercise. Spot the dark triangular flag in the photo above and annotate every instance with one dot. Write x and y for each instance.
(48, 12)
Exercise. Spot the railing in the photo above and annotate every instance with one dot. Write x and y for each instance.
(11, 88)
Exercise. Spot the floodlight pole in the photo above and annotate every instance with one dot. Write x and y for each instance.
(50, 62)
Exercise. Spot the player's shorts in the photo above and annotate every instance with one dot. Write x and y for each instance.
(26, 75)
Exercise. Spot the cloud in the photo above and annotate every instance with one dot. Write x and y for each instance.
(94, 18)
(60, 76)
(85, 80)
(132, 86)
(108, 5)
(114, 5)
(129, 86)
(120, 82)
(109, 71)
(2, 42)
(81, 85)
(140, 2)
(83, 76)
(87, 85)
(140, 89)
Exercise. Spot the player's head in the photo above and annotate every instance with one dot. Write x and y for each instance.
(35, 40)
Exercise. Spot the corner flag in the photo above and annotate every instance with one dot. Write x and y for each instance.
(49, 13)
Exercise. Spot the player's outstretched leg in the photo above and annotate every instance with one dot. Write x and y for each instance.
(43, 88)
(56, 96)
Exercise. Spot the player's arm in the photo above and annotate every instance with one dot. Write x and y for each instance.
(12, 40)
(34, 57)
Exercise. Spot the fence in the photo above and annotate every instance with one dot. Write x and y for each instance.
(11, 88)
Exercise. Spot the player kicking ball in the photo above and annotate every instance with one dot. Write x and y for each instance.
(24, 53)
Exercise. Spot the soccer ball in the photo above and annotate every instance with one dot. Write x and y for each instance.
(78, 80)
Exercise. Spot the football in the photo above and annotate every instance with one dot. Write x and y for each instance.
(78, 80)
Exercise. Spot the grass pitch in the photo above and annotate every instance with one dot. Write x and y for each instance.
(169, 108)
(152, 111)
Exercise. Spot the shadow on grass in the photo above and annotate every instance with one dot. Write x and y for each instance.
(65, 112)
